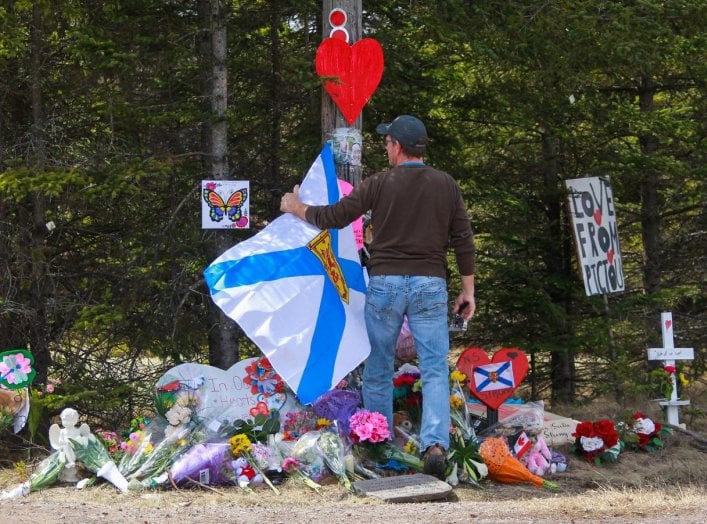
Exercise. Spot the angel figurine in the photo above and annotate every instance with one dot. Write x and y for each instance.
(59, 440)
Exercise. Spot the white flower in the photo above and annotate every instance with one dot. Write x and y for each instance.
(178, 415)
(644, 426)
(591, 443)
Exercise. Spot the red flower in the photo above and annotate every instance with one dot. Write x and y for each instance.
(606, 431)
(638, 415)
(583, 429)
(670, 369)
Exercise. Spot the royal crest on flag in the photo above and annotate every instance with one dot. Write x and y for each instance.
(491, 377)
(298, 292)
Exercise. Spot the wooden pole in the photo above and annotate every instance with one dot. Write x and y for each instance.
(332, 119)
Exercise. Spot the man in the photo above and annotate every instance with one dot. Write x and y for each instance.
(417, 212)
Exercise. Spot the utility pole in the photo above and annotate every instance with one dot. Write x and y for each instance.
(342, 18)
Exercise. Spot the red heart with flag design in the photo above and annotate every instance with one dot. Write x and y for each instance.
(493, 380)
(351, 73)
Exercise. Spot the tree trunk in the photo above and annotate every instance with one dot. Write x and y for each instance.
(555, 254)
(38, 324)
(650, 216)
(224, 333)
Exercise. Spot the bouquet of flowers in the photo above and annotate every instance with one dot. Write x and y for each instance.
(642, 433)
(597, 441)
(47, 473)
(94, 456)
(463, 454)
(504, 467)
(371, 439)
(293, 468)
(332, 449)
(206, 463)
(407, 392)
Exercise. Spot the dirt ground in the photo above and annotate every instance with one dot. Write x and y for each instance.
(670, 485)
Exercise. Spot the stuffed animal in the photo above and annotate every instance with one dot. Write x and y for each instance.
(538, 458)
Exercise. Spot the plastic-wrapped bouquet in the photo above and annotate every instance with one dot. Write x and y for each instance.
(332, 449)
(371, 439)
(94, 456)
(597, 441)
(46, 474)
(504, 467)
(293, 468)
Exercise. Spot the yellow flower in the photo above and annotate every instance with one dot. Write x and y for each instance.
(417, 386)
(323, 423)
(149, 447)
(411, 448)
(457, 376)
(455, 402)
(240, 444)
(683, 380)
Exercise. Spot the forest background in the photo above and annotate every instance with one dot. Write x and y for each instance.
(106, 120)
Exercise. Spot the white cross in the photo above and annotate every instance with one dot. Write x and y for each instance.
(669, 354)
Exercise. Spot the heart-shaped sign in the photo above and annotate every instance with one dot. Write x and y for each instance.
(351, 73)
(493, 380)
(249, 386)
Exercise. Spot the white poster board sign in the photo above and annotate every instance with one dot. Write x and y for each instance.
(591, 206)
(225, 204)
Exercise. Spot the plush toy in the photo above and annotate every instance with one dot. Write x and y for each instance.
(245, 473)
(538, 458)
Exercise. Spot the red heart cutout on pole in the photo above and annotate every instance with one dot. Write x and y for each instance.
(668, 323)
(493, 380)
(351, 73)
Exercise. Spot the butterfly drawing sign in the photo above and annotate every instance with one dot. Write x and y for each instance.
(225, 204)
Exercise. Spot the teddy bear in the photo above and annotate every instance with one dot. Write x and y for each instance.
(538, 458)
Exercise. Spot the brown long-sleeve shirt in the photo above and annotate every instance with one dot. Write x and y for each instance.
(417, 212)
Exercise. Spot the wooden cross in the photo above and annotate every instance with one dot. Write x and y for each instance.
(669, 354)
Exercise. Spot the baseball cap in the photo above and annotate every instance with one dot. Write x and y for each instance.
(406, 129)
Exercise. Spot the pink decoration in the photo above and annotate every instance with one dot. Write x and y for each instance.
(493, 380)
(356, 225)
(351, 73)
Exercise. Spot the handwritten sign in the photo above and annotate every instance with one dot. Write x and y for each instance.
(225, 394)
(591, 205)
(671, 354)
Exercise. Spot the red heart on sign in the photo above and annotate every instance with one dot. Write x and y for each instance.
(668, 323)
(350, 73)
(597, 217)
(493, 380)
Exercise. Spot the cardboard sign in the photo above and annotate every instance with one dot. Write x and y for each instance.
(493, 380)
(591, 206)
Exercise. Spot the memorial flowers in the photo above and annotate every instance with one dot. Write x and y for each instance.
(47, 473)
(597, 442)
(644, 434)
(242, 447)
(504, 467)
(293, 468)
(371, 438)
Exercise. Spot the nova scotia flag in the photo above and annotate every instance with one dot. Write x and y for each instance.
(298, 292)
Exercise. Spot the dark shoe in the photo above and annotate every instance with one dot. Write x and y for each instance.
(435, 462)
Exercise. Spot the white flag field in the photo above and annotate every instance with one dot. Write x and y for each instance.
(299, 292)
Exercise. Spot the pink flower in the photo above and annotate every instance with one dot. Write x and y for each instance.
(290, 464)
(50, 388)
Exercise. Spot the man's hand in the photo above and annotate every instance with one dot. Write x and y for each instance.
(290, 203)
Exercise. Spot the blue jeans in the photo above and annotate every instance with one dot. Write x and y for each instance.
(424, 301)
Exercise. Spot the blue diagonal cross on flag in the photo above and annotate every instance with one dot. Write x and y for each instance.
(298, 292)
(494, 376)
